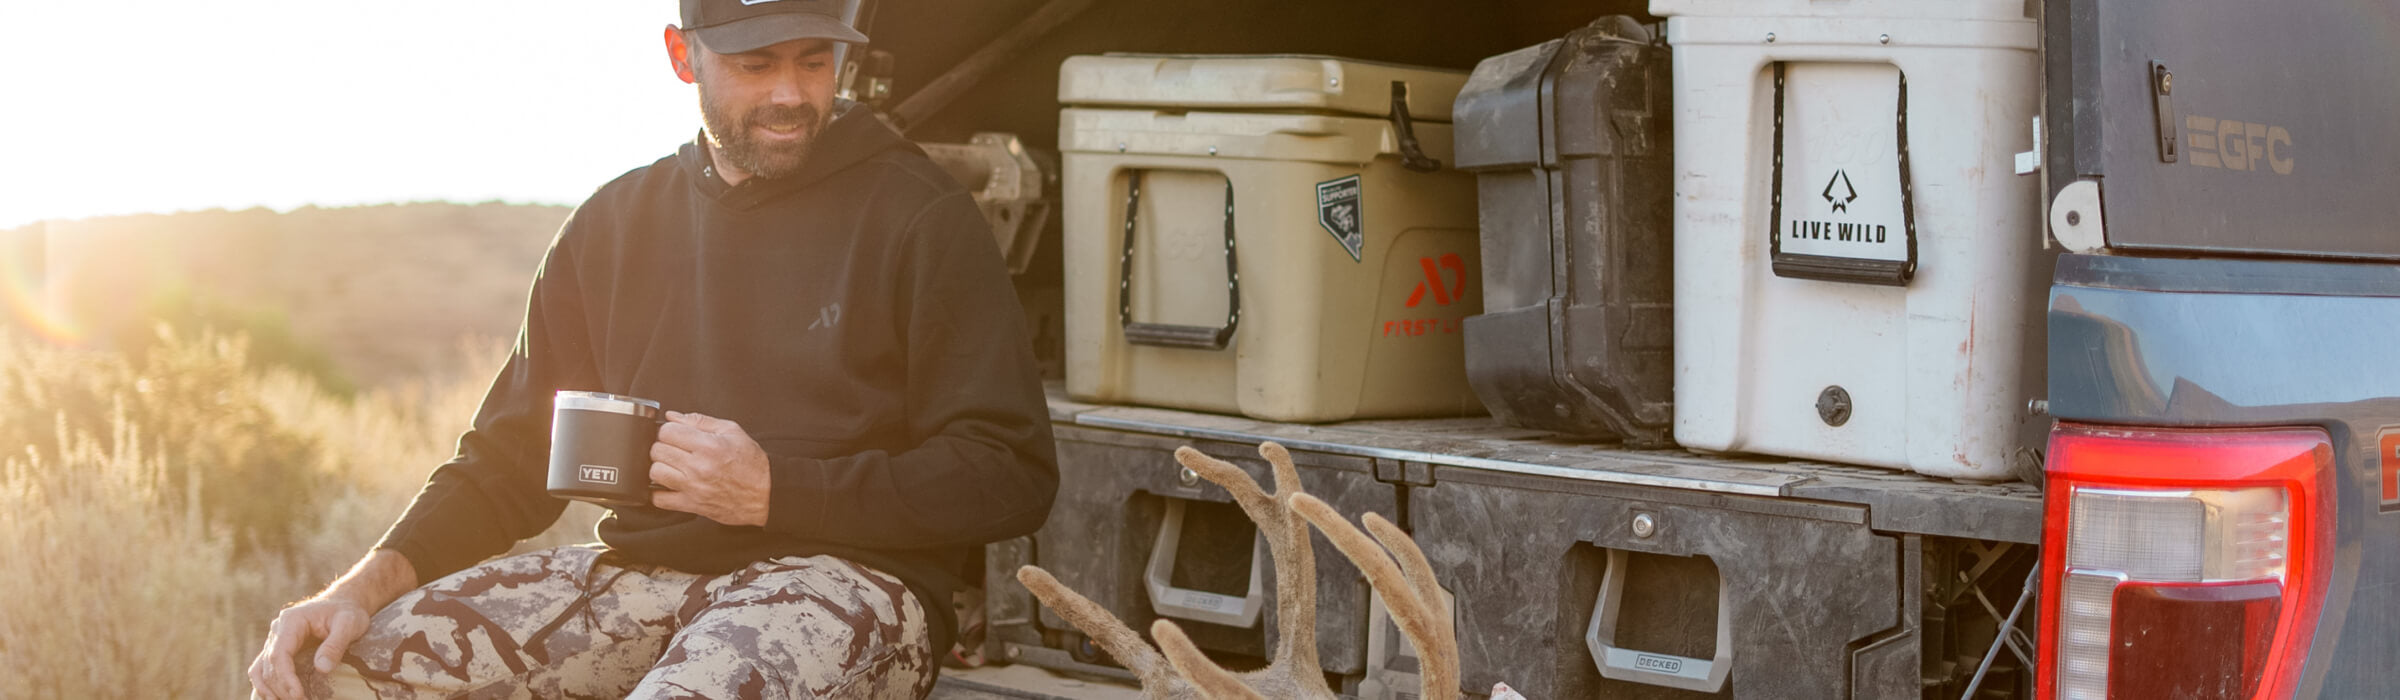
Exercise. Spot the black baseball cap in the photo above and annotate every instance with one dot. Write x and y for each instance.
(735, 26)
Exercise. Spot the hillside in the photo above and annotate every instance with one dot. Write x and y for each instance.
(383, 293)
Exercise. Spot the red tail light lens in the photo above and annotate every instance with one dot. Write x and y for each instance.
(2182, 563)
(2191, 640)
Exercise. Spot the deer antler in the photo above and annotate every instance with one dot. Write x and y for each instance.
(1183, 671)
(1408, 587)
(1105, 630)
(1214, 681)
(1287, 545)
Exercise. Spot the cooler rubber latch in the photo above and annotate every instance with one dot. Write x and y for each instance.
(1412, 154)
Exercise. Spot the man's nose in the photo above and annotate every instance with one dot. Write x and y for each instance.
(790, 88)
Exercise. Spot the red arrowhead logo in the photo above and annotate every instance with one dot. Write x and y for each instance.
(1442, 294)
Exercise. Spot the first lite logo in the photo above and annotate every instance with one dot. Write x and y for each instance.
(596, 474)
(1442, 293)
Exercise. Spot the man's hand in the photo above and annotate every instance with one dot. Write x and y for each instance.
(337, 620)
(710, 468)
(337, 616)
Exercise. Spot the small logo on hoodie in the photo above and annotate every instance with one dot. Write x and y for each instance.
(826, 317)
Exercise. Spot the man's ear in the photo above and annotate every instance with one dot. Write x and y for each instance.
(679, 54)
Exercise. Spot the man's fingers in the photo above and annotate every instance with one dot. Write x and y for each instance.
(283, 639)
(259, 687)
(666, 476)
(670, 454)
(344, 629)
(672, 500)
(706, 423)
(278, 680)
(266, 675)
(302, 630)
(686, 437)
(291, 682)
(285, 636)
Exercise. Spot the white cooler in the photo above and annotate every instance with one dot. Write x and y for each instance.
(1244, 234)
(1858, 268)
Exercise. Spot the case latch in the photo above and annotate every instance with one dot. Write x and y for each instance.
(2162, 84)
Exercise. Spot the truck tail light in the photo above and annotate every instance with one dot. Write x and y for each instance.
(2182, 563)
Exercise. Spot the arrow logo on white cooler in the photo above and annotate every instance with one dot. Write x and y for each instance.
(1841, 204)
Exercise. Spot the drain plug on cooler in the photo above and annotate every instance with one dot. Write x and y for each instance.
(1833, 405)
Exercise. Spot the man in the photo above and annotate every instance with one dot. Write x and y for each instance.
(836, 306)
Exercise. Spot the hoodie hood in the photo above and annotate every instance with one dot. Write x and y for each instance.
(854, 136)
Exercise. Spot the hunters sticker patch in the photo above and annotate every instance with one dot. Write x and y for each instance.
(1338, 211)
(2387, 466)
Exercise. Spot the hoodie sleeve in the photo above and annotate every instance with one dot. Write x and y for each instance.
(493, 492)
(983, 467)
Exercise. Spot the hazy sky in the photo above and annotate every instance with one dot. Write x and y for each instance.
(121, 106)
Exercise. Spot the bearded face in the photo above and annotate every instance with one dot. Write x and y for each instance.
(766, 140)
(763, 110)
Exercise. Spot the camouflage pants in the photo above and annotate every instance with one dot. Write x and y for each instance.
(570, 622)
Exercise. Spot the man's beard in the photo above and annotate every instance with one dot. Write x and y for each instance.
(739, 146)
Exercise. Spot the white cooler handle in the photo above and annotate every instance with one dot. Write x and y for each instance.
(1618, 663)
(1165, 334)
(1200, 606)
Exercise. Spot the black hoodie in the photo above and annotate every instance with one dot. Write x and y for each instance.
(855, 318)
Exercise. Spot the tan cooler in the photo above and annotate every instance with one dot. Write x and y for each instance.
(1246, 234)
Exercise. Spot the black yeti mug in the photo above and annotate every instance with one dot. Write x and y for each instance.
(600, 447)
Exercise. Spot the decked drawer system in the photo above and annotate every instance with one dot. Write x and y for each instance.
(1580, 569)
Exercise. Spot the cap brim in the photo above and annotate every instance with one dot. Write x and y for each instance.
(768, 30)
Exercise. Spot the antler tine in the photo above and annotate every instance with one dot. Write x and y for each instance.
(1212, 681)
(1106, 631)
(1295, 577)
(1287, 477)
(1413, 563)
(1254, 501)
(1410, 612)
(1438, 655)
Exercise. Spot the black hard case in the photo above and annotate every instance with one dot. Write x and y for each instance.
(1571, 142)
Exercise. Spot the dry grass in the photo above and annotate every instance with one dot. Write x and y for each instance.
(133, 575)
(165, 489)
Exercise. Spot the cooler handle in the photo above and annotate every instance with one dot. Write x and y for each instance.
(1166, 334)
(1668, 670)
(1200, 606)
